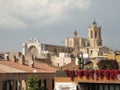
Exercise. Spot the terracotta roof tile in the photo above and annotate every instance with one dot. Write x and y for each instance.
(71, 65)
(39, 67)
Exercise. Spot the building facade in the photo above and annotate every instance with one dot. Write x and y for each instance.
(87, 80)
(40, 50)
(94, 35)
(91, 45)
(18, 81)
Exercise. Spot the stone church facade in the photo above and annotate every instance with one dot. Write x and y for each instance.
(91, 45)
(40, 50)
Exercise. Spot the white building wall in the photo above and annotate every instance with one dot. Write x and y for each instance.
(65, 86)
(35, 43)
(60, 61)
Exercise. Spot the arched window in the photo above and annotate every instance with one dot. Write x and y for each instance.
(91, 34)
(95, 34)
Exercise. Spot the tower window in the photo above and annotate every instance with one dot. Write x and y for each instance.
(91, 34)
(95, 34)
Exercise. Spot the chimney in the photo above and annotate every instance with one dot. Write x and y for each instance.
(6, 57)
(22, 60)
(31, 62)
(14, 59)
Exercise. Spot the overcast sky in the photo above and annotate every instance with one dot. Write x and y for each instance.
(51, 21)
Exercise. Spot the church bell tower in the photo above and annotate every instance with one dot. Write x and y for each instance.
(94, 35)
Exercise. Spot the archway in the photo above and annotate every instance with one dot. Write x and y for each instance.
(33, 51)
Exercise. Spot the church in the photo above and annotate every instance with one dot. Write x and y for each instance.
(92, 45)
(35, 48)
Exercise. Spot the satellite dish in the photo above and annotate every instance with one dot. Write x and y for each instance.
(31, 62)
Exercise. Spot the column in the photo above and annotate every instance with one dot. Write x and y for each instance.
(20, 85)
(8, 85)
(1, 85)
(14, 60)
(14, 84)
(26, 84)
(49, 84)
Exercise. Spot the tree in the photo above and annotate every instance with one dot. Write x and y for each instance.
(32, 83)
(80, 62)
(108, 65)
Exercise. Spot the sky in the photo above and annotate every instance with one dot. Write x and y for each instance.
(51, 21)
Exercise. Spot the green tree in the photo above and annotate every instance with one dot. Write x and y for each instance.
(80, 62)
(32, 82)
(108, 65)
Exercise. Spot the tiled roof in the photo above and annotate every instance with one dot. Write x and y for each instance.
(39, 67)
(1, 71)
(71, 65)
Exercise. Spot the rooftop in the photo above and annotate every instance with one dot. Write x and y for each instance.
(9, 66)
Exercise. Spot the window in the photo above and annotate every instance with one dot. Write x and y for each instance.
(95, 34)
(45, 83)
(91, 34)
(53, 84)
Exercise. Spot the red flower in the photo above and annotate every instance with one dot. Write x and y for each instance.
(100, 73)
(67, 71)
(79, 73)
(112, 74)
(91, 73)
(70, 73)
(116, 73)
(107, 74)
(86, 73)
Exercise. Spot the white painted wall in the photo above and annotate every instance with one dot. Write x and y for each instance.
(65, 86)
(60, 60)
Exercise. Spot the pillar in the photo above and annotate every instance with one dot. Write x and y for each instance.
(14, 60)
(14, 84)
(24, 85)
(20, 85)
(8, 85)
(1, 85)
(49, 84)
